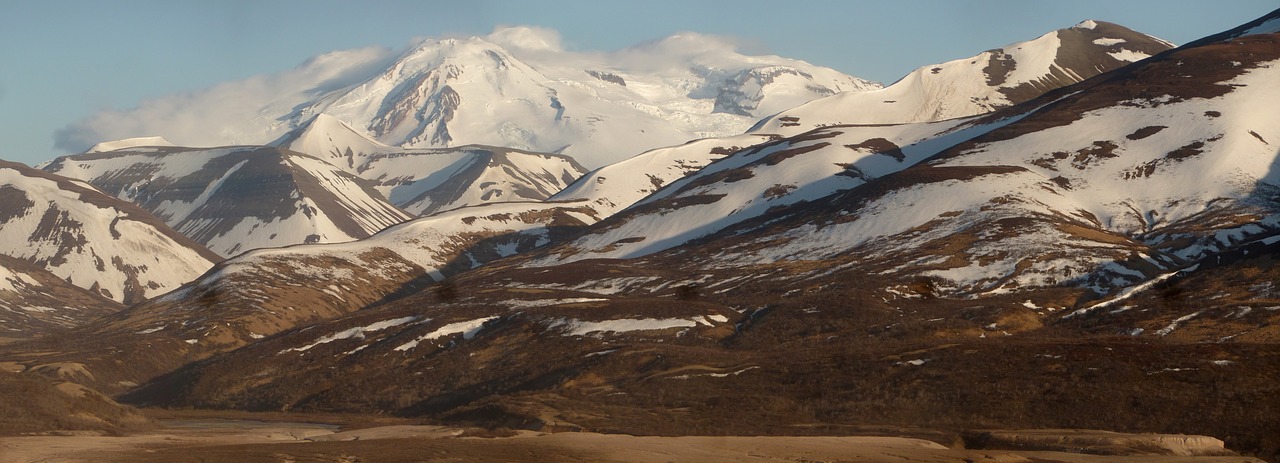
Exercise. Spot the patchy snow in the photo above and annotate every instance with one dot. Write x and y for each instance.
(1129, 55)
(716, 375)
(523, 304)
(1174, 325)
(617, 186)
(1106, 42)
(357, 332)
(581, 327)
(1129, 292)
(752, 182)
(468, 328)
(151, 330)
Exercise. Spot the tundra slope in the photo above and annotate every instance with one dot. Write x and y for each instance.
(34, 302)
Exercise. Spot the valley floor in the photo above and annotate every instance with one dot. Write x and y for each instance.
(239, 437)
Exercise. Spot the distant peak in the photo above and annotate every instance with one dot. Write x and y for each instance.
(129, 143)
(1086, 24)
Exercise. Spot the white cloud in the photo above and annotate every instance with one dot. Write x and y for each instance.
(240, 112)
(526, 38)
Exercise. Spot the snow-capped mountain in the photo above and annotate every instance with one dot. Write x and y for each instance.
(234, 199)
(91, 240)
(884, 140)
(1105, 186)
(515, 88)
(474, 91)
(763, 178)
(1015, 221)
(35, 302)
(1104, 249)
(979, 84)
(424, 181)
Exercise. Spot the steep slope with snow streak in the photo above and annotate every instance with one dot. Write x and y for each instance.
(91, 240)
(613, 188)
(763, 178)
(425, 181)
(235, 199)
(988, 81)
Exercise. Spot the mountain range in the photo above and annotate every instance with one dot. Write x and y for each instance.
(516, 88)
(1077, 231)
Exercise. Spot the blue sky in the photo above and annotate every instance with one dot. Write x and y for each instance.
(63, 60)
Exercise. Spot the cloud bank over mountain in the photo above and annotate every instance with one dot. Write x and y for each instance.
(207, 117)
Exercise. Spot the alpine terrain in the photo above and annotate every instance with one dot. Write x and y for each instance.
(102, 244)
(516, 88)
(997, 254)
(425, 181)
(234, 199)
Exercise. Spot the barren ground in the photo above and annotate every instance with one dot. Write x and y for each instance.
(248, 438)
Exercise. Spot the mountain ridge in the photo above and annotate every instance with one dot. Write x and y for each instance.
(970, 86)
(94, 241)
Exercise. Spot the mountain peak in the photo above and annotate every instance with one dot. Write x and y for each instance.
(1086, 24)
(515, 87)
(128, 143)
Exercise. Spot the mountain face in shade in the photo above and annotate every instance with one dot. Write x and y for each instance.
(34, 302)
(979, 84)
(234, 199)
(91, 240)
